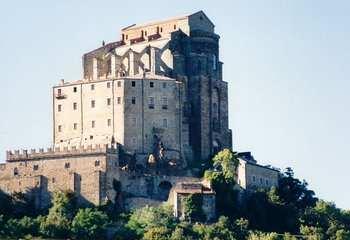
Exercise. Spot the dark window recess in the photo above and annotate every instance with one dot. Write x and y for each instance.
(36, 167)
(92, 87)
(67, 165)
(75, 89)
(108, 101)
(91, 137)
(97, 163)
(15, 171)
(53, 180)
(164, 84)
(133, 83)
(151, 84)
(108, 85)
(119, 83)
(133, 100)
(151, 103)
(93, 103)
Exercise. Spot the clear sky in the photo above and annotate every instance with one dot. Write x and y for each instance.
(287, 64)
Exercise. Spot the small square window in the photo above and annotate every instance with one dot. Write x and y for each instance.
(109, 122)
(108, 85)
(133, 100)
(119, 83)
(151, 84)
(75, 126)
(36, 167)
(75, 105)
(118, 100)
(67, 165)
(92, 86)
(92, 124)
(59, 108)
(74, 89)
(60, 128)
(92, 103)
(108, 101)
(133, 83)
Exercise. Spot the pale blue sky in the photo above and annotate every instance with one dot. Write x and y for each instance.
(287, 64)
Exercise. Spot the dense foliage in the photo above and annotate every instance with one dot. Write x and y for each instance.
(289, 212)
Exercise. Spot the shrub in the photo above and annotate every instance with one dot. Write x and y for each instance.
(89, 224)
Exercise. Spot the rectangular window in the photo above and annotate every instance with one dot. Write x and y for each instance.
(133, 100)
(164, 84)
(60, 128)
(119, 83)
(133, 122)
(59, 108)
(151, 84)
(109, 122)
(75, 106)
(108, 101)
(92, 103)
(108, 85)
(59, 92)
(133, 83)
(92, 86)
(67, 165)
(165, 123)
(92, 124)
(97, 163)
(75, 126)
(164, 103)
(36, 167)
(74, 89)
(118, 100)
(151, 102)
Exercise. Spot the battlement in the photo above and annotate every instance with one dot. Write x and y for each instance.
(19, 155)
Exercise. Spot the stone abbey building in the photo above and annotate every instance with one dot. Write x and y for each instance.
(148, 108)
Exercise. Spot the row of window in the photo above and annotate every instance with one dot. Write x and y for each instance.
(261, 180)
(119, 84)
(164, 101)
(109, 124)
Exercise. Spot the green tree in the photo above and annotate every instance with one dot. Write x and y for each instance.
(294, 192)
(157, 233)
(148, 217)
(193, 208)
(222, 179)
(89, 224)
(57, 222)
(22, 227)
(227, 161)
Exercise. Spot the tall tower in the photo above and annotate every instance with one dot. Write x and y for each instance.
(159, 87)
